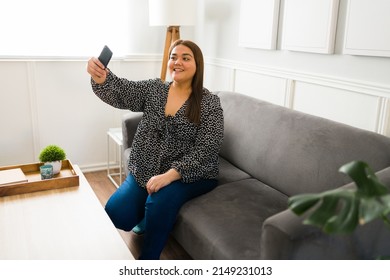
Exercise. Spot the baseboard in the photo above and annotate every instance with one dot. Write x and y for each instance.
(97, 167)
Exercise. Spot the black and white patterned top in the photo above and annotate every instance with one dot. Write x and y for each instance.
(164, 142)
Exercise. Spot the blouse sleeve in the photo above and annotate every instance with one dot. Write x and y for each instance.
(124, 94)
(202, 161)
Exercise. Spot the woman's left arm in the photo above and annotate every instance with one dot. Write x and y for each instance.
(159, 181)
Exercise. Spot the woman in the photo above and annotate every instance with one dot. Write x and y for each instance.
(174, 155)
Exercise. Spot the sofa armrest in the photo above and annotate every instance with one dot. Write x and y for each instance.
(284, 236)
(129, 127)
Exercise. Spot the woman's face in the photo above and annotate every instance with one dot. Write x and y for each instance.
(181, 64)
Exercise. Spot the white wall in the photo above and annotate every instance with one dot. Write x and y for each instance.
(350, 89)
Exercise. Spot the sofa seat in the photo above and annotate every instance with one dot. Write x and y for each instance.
(225, 215)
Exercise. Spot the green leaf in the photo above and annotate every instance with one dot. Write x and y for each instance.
(347, 218)
(355, 170)
(370, 209)
(324, 212)
(364, 178)
(299, 204)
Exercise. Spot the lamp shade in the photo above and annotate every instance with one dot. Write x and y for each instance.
(172, 12)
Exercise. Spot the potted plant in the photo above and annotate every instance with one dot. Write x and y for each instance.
(342, 210)
(53, 155)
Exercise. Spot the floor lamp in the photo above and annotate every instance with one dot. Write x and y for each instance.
(173, 14)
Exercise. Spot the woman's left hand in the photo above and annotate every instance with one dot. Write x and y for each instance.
(159, 181)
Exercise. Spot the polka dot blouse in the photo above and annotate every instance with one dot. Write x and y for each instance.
(164, 142)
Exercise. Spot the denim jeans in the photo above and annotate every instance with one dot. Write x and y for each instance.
(131, 203)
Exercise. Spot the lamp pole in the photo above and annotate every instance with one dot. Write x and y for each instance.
(173, 34)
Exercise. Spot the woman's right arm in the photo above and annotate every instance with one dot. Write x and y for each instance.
(117, 92)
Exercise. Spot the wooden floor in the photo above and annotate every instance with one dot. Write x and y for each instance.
(103, 188)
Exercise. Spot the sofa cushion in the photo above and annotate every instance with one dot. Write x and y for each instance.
(292, 151)
(230, 173)
(226, 222)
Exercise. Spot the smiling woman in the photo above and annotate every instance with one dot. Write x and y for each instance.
(174, 155)
(61, 28)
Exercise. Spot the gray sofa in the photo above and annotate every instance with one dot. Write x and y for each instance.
(270, 153)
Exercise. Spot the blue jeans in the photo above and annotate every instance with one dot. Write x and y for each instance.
(131, 203)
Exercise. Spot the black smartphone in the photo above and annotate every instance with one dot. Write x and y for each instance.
(105, 56)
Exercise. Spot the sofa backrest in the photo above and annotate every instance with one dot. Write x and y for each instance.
(292, 151)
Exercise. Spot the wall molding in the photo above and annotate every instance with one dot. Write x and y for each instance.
(289, 97)
(383, 116)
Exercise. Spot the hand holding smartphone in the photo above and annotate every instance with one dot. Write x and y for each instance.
(105, 56)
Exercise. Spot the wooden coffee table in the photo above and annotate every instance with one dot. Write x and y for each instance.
(59, 224)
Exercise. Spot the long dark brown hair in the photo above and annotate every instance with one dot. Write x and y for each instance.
(195, 99)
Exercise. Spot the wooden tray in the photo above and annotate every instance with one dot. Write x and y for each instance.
(66, 178)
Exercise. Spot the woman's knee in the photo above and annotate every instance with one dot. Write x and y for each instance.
(126, 205)
(121, 218)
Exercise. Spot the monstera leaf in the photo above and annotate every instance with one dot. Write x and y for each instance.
(342, 210)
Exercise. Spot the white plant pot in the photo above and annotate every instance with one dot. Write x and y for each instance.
(56, 166)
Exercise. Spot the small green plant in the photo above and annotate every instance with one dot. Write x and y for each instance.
(52, 153)
(342, 210)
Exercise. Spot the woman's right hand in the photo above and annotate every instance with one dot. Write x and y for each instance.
(97, 71)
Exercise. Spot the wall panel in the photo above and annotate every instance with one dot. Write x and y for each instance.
(344, 106)
(16, 141)
(268, 88)
(310, 26)
(367, 37)
(217, 78)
